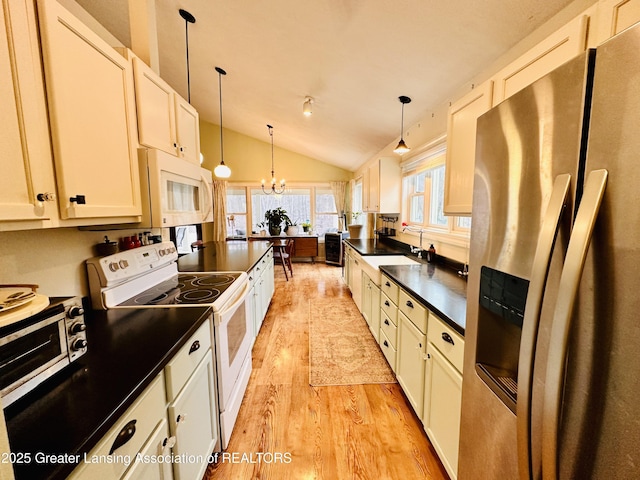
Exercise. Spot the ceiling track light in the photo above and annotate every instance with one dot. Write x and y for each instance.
(274, 190)
(221, 171)
(402, 147)
(306, 106)
(188, 18)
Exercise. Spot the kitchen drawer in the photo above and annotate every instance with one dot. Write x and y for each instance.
(389, 308)
(413, 310)
(389, 288)
(180, 368)
(389, 328)
(445, 339)
(148, 411)
(388, 350)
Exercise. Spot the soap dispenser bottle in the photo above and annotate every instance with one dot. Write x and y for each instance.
(431, 254)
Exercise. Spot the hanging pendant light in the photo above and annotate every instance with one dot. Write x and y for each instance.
(221, 171)
(402, 147)
(273, 189)
(188, 18)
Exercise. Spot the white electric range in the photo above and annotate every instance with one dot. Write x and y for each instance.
(148, 277)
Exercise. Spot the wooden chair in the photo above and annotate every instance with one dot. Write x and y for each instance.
(284, 254)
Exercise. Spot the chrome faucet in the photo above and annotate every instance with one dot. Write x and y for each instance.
(417, 250)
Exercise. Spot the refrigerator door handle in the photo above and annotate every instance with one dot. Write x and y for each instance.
(531, 322)
(581, 234)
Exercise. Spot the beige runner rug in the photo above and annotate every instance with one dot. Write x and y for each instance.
(342, 350)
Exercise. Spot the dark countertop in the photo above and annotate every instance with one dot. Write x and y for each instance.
(71, 412)
(371, 246)
(439, 289)
(224, 256)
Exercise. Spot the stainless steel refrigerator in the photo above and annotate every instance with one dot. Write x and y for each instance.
(552, 363)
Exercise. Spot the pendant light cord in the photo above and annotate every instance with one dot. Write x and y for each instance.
(220, 73)
(188, 18)
(272, 166)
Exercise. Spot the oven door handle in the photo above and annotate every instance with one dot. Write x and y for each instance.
(240, 299)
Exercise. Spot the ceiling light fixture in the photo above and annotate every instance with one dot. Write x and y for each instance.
(188, 18)
(221, 171)
(273, 190)
(402, 147)
(306, 107)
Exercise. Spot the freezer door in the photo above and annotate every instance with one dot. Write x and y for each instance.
(522, 146)
(600, 430)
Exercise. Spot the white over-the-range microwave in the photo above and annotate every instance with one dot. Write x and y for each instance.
(174, 191)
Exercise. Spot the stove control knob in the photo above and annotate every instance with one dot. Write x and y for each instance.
(75, 311)
(162, 252)
(123, 264)
(77, 327)
(79, 344)
(113, 266)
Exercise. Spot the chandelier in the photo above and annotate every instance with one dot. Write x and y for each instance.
(273, 190)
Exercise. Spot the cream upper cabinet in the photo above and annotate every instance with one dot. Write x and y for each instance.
(27, 183)
(165, 120)
(381, 186)
(616, 15)
(461, 148)
(92, 118)
(187, 130)
(553, 51)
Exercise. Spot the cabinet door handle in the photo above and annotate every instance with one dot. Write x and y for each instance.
(386, 322)
(169, 442)
(386, 302)
(385, 343)
(387, 284)
(79, 199)
(182, 417)
(124, 436)
(194, 346)
(409, 304)
(447, 338)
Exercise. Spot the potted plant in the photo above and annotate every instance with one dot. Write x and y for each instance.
(355, 229)
(306, 226)
(263, 226)
(274, 219)
(291, 227)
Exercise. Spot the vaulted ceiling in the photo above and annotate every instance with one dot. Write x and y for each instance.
(353, 57)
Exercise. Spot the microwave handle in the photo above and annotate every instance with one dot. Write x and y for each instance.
(208, 187)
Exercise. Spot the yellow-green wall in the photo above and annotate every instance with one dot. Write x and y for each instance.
(250, 159)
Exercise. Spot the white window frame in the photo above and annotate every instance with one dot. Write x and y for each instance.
(430, 157)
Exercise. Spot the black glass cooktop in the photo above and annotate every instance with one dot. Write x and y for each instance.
(185, 289)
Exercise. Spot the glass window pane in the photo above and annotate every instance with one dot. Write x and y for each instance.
(185, 236)
(236, 200)
(326, 223)
(436, 210)
(416, 209)
(418, 186)
(325, 201)
(357, 197)
(296, 202)
(236, 225)
(463, 222)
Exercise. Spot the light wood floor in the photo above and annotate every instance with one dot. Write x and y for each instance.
(289, 430)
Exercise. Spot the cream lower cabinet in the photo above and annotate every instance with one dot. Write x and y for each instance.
(263, 278)
(143, 427)
(371, 305)
(194, 421)
(146, 468)
(412, 344)
(443, 392)
(27, 183)
(92, 113)
(166, 121)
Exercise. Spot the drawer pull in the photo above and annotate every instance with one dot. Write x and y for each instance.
(385, 343)
(447, 338)
(387, 284)
(386, 322)
(169, 442)
(386, 302)
(194, 346)
(124, 436)
(409, 304)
